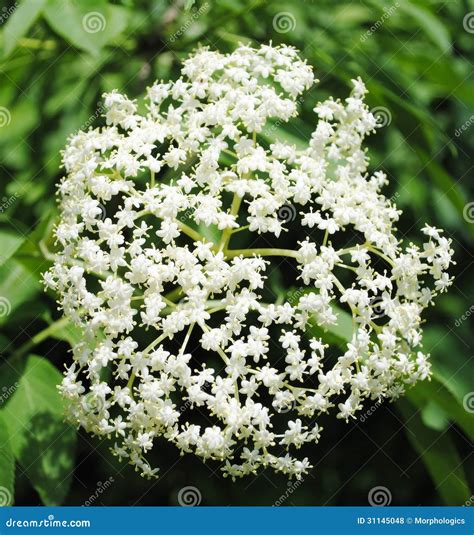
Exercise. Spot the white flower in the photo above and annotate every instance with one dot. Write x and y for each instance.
(174, 316)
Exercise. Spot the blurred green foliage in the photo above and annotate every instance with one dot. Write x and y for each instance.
(57, 58)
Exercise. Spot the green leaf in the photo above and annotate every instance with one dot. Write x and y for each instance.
(65, 331)
(17, 286)
(24, 118)
(434, 417)
(19, 22)
(448, 187)
(30, 253)
(283, 132)
(7, 465)
(88, 25)
(409, 117)
(9, 243)
(434, 391)
(439, 455)
(346, 15)
(42, 442)
(339, 334)
(430, 24)
(210, 232)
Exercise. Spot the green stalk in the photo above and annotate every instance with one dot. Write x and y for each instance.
(232, 253)
(227, 233)
(41, 336)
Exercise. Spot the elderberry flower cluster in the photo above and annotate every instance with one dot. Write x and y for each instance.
(168, 236)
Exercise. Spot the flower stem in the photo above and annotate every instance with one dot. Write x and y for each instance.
(240, 229)
(42, 336)
(186, 339)
(186, 229)
(219, 350)
(234, 210)
(378, 253)
(174, 294)
(232, 253)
